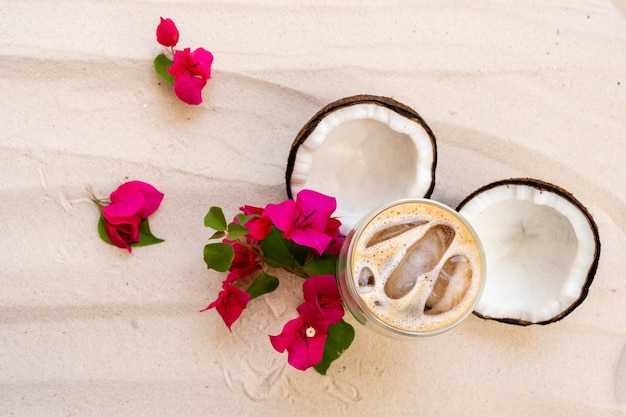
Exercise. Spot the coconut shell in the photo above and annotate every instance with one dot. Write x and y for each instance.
(390, 103)
(544, 186)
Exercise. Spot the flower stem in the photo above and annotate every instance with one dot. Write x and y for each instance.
(100, 202)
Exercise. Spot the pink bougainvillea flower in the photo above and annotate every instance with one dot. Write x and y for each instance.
(306, 221)
(125, 212)
(322, 292)
(244, 263)
(132, 202)
(230, 303)
(196, 63)
(259, 226)
(191, 70)
(167, 33)
(133, 197)
(122, 231)
(303, 337)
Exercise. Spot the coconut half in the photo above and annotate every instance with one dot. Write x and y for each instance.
(365, 151)
(542, 249)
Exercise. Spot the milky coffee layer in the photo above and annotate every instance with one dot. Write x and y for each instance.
(417, 267)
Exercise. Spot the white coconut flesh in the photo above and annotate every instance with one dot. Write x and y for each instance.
(364, 155)
(540, 249)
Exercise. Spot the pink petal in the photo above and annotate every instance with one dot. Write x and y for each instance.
(179, 66)
(335, 246)
(312, 316)
(115, 238)
(311, 238)
(303, 354)
(124, 208)
(259, 227)
(322, 291)
(290, 333)
(151, 196)
(322, 207)
(251, 210)
(332, 228)
(123, 230)
(283, 215)
(189, 88)
(200, 63)
(320, 284)
(244, 263)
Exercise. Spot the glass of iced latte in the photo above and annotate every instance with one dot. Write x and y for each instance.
(411, 268)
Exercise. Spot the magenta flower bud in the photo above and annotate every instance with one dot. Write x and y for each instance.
(167, 34)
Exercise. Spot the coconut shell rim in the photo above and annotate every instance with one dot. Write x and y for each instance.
(388, 102)
(546, 186)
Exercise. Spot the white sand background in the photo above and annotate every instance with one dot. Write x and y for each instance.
(530, 88)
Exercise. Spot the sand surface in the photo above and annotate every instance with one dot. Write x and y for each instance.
(529, 88)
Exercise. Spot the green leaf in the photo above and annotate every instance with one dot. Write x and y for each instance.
(145, 235)
(301, 253)
(217, 235)
(243, 219)
(235, 230)
(262, 284)
(218, 256)
(102, 231)
(340, 337)
(215, 219)
(161, 64)
(321, 265)
(277, 249)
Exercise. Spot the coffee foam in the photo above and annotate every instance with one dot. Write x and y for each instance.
(407, 312)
